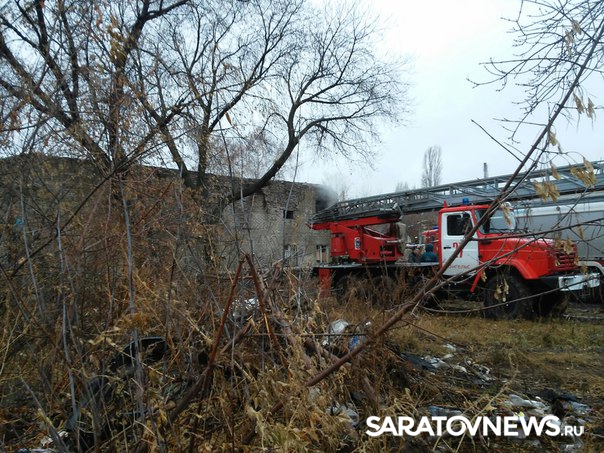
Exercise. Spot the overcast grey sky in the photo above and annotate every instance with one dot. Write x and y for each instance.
(446, 42)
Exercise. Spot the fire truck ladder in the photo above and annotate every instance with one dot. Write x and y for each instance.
(476, 191)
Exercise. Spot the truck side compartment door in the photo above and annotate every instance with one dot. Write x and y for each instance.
(454, 226)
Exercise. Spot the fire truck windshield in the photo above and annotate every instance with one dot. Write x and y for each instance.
(501, 221)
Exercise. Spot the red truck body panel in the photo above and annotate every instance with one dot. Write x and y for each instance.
(354, 241)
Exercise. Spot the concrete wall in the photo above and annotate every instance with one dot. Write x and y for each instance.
(272, 226)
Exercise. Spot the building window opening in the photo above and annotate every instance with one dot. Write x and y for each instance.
(320, 204)
(287, 214)
(321, 254)
(290, 255)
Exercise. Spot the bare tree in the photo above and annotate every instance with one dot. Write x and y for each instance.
(186, 81)
(224, 53)
(432, 167)
(335, 90)
(66, 68)
(559, 48)
(401, 186)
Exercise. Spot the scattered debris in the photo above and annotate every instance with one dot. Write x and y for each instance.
(437, 411)
(344, 410)
(460, 369)
(516, 401)
(243, 309)
(578, 446)
(46, 444)
(565, 406)
(417, 361)
(36, 450)
(437, 385)
(436, 362)
(342, 336)
(336, 328)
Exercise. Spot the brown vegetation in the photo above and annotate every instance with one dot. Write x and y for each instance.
(121, 332)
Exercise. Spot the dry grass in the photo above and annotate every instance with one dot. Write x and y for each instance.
(65, 319)
(525, 357)
(258, 375)
(563, 354)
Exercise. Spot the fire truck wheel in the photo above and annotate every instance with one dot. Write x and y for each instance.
(552, 305)
(353, 288)
(339, 288)
(595, 295)
(384, 291)
(507, 297)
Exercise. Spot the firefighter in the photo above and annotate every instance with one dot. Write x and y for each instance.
(429, 256)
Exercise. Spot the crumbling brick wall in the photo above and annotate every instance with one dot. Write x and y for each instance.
(270, 225)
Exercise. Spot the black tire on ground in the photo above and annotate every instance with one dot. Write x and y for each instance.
(353, 288)
(506, 296)
(384, 292)
(432, 300)
(597, 293)
(380, 290)
(552, 305)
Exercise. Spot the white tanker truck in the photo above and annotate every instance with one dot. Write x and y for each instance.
(578, 219)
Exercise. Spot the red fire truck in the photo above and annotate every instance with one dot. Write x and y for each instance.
(515, 274)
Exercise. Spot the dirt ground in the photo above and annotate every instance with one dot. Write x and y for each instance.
(430, 364)
(463, 363)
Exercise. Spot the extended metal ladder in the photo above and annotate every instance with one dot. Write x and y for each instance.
(476, 191)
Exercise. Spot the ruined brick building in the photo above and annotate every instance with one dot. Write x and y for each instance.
(270, 225)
